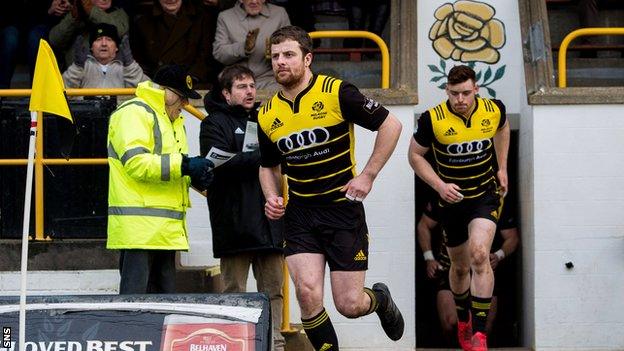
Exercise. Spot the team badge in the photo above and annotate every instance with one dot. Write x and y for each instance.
(370, 105)
(318, 106)
(189, 82)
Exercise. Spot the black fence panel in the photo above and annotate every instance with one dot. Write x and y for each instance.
(75, 196)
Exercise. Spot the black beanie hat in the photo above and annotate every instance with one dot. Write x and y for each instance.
(103, 30)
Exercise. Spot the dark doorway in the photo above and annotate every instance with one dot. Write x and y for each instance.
(507, 326)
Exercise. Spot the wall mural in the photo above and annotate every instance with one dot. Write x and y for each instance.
(467, 32)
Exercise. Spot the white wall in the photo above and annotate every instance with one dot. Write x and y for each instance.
(578, 201)
(94, 282)
(527, 214)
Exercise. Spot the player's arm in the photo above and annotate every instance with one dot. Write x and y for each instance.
(368, 113)
(385, 142)
(448, 192)
(501, 146)
(511, 240)
(270, 176)
(424, 228)
(270, 181)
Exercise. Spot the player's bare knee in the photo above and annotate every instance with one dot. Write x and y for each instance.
(448, 323)
(349, 305)
(451, 321)
(460, 270)
(480, 255)
(349, 309)
(309, 297)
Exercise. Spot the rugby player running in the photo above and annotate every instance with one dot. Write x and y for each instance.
(469, 136)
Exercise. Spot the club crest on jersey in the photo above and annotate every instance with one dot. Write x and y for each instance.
(370, 105)
(318, 111)
(486, 126)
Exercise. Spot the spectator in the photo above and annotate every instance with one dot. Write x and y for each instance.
(83, 15)
(14, 26)
(110, 64)
(242, 33)
(149, 178)
(241, 233)
(505, 243)
(368, 15)
(176, 32)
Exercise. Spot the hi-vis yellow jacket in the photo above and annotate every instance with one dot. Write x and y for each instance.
(147, 194)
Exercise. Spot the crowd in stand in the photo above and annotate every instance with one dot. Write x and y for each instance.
(118, 43)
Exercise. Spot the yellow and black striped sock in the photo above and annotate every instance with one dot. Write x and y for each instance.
(320, 332)
(480, 309)
(462, 304)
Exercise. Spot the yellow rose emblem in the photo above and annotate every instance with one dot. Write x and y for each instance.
(467, 31)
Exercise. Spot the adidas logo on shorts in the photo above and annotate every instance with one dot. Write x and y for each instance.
(360, 256)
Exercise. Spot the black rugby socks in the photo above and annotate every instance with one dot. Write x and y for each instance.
(462, 304)
(320, 332)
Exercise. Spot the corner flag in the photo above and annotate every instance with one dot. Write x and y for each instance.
(48, 90)
(47, 95)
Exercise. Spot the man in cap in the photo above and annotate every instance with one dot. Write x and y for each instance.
(108, 63)
(148, 181)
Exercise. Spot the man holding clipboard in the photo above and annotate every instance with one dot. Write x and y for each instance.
(241, 233)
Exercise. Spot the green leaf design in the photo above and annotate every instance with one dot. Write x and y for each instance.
(478, 76)
(442, 86)
(433, 68)
(443, 65)
(435, 79)
(499, 73)
(491, 91)
(471, 65)
(487, 75)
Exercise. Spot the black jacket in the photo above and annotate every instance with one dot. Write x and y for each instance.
(235, 198)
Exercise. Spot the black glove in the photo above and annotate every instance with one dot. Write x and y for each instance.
(200, 171)
(125, 54)
(80, 51)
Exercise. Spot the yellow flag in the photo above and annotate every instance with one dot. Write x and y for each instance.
(48, 90)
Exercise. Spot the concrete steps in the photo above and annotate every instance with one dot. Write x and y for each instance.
(593, 72)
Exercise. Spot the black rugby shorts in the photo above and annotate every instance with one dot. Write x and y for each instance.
(455, 218)
(339, 232)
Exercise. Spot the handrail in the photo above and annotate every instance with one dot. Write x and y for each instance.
(385, 55)
(563, 48)
(40, 161)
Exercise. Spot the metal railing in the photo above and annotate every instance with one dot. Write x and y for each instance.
(563, 48)
(40, 161)
(385, 55)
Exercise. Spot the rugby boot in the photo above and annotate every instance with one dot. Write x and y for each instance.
(479, 342)
(464, 334)
(389, 315)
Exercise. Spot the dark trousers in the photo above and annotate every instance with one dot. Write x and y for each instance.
(10, 39)
(147, 272)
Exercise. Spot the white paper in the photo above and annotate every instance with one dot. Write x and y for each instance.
(218, 156)
(250, 143)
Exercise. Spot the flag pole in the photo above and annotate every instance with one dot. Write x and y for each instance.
(26, 229)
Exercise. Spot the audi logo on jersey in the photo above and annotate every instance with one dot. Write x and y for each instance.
(469, 147)
(303, 138)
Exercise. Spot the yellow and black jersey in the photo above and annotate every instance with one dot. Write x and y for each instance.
(312, 137)
(463, 148)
